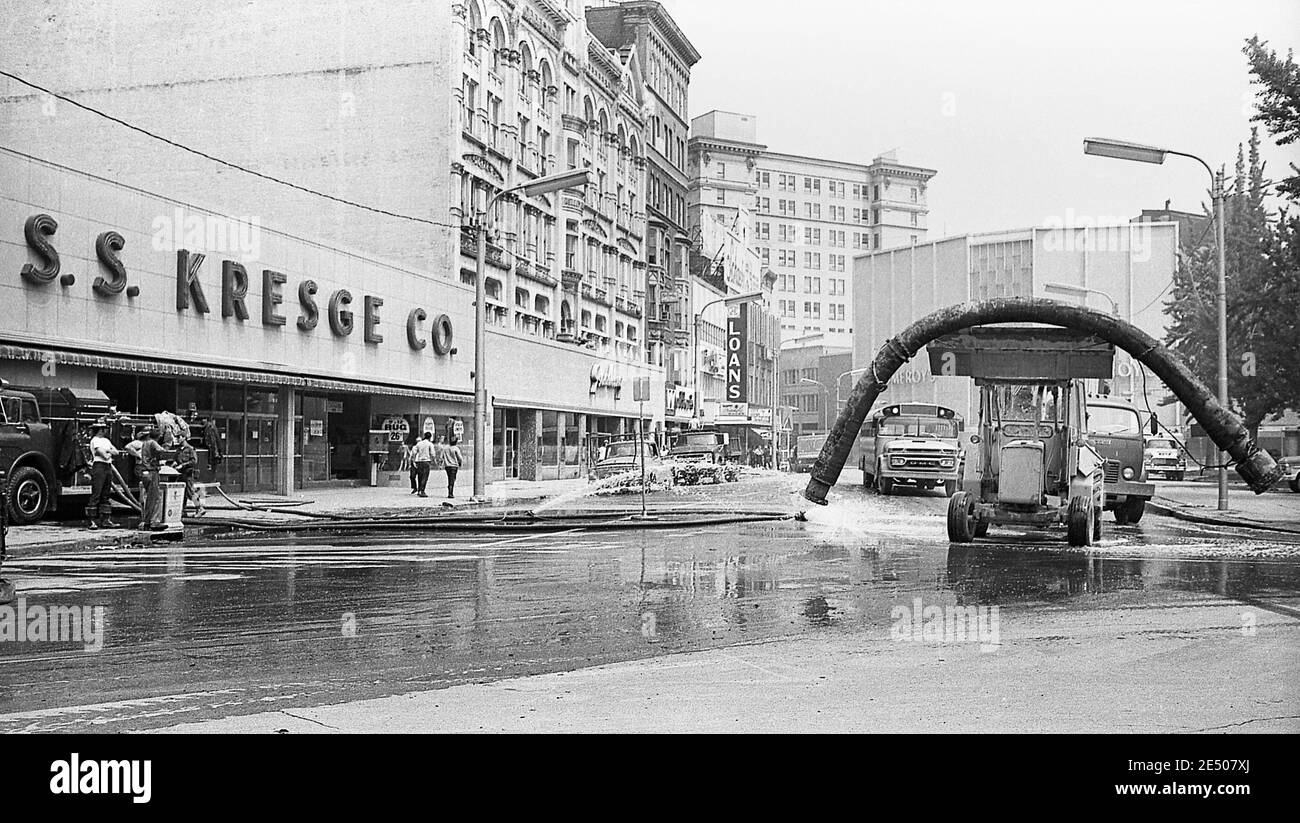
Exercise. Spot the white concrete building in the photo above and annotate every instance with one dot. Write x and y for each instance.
(1125, 269)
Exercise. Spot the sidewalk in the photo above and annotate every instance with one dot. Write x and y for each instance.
(51, 536)
(1276, 510)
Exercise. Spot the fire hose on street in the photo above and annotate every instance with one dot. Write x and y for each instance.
(528, 522)
(1255, 466)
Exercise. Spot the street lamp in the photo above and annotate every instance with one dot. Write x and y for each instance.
(1122, 150)
(826, 402)
(1070, 288)
(571, 179)
(731, 300)
(838, 399)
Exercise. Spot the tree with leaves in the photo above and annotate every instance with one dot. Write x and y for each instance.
(1263, 313)
(1277, 103)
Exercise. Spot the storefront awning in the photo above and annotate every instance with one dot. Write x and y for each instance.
(518, 403)
(164, 368)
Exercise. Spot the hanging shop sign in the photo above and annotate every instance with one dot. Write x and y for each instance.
(733, 412)
(737, 365)
(398, 428)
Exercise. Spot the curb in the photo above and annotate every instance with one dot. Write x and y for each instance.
(1182, 512)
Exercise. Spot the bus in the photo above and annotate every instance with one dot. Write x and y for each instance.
(911, 444)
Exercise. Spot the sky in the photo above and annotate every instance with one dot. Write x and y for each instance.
(998, 95)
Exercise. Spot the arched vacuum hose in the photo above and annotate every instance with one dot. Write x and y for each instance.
(1255, 466)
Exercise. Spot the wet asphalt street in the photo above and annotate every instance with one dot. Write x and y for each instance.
(257, 624)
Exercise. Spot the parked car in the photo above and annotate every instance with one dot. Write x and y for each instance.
(1162, 456)
(1291, 471)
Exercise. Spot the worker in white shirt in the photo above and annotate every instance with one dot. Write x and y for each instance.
(102, 452)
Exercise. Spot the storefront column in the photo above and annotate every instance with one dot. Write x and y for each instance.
(530, 429)
(583, 468)
(286, 447)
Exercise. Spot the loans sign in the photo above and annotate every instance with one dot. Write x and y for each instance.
(737, 365)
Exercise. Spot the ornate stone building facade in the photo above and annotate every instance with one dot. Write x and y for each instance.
(643, 30)
(536, 94)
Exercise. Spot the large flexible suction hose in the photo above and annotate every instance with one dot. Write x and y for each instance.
(1255, 466)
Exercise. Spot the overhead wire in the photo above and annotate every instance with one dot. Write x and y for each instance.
(221, 161)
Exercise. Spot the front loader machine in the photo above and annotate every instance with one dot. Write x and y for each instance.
(1031, 463)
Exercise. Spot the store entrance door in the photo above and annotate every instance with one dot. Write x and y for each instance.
(512, 452)
(315, 440)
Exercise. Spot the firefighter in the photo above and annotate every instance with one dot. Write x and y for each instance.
(102, 452)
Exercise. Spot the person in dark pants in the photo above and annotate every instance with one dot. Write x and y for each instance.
(102, 452)
(147, 472)
(451, 460)
(187, 463)
(409, 465)
(422, 458)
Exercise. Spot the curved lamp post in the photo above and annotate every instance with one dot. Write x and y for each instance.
(572, 179)
(1122, 150)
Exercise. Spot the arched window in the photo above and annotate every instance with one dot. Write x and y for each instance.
(526, 71)
(475, 23)
(498, 43)
(548, 79)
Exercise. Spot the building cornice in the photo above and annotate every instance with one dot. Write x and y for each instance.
(724, 145)
(654, 14)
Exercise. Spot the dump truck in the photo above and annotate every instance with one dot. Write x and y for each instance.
(700, 455)
(1115, 430)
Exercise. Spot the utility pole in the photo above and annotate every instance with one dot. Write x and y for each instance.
(1222, 308)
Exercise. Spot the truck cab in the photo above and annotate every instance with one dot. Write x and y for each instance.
(625, 456)
(26, 449)
(702, 454)
(1115, 430)
(806, 449)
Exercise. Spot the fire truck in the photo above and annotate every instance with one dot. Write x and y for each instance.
(911, 444)
(42, 435)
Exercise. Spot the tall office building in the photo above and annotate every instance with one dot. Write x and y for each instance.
(813, 215)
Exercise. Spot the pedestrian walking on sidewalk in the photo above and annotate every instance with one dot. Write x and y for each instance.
(408, 449)
(102, 452)
(422, 457)
(451, 461)
(147, 472)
